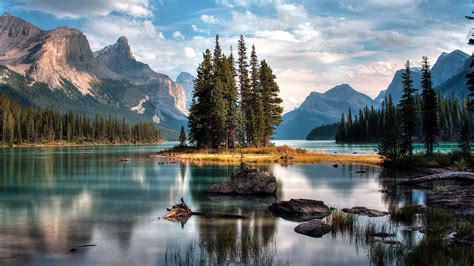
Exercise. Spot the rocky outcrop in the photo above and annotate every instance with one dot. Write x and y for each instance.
(187, 81)
(314, 228)
(300, 209)
(167, 96)
(247, 182)
(50, 56)
(364, 211)
(460, 199)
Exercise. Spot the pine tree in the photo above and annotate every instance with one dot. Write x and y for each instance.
(200, 115)
(218, 107)
(470, 85)
(182, 137)
(464, 139)
(430, 110)
(407, 112)
(271, 102)
(245, 93)
(389, 148)
(231, 97)
(257, 123)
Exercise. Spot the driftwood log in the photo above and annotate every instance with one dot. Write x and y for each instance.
(461, 176)
(181, 211)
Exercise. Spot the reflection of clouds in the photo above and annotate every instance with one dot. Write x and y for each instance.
(338, 187)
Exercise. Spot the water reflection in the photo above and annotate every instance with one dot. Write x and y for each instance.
(52, 200)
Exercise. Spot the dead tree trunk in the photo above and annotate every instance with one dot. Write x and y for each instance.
(462, 176)
(181, 211)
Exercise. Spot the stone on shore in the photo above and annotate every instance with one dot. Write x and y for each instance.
(300, 210)
(247, 182)
(364, 211)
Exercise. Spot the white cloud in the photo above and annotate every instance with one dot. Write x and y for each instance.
(89, 8)
(209, 19)
(178, 35)
(189, 52)
(197, 29)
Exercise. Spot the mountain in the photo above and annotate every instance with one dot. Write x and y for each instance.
(456, 85)
(57, 69)
(186, 80)
(447, 66)
(395, 88)
(320, 109)
(381, 96)
(167, 96)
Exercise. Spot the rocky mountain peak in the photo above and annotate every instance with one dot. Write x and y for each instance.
(120, 51)
(12, 26)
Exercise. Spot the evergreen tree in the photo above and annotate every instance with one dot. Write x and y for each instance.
(182, 137)
(271, 102)
(218, 107)
(257, 123)
(407, 112)
(200, 115)
(389, 148)
(470, 85)
(464, 139)
(430, 110)
(231, 98)
(245, 90)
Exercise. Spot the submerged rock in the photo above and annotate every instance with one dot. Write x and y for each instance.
(300, 209)
(247, 182)
(468, 239)
(460, 199)
(364, 211)
(313, 228)
(382, 234)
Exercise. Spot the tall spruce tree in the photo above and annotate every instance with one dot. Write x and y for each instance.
(389, 148)
(429, 110)
(245, 90)
(271, 102)
(407, 112)
(182, 137)
(218, 108)
(470, 85)
(258, 122)
(231, 97)
(199, 114)
(464, 141)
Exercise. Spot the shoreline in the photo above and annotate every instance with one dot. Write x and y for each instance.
(277, 154)
(67, 144)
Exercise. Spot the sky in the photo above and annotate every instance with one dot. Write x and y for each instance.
(312, 45)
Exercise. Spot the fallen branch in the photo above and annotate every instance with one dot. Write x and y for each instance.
(181, 211)
(461, 176)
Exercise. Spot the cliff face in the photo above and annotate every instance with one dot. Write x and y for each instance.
(187, 81)
(50, 56)
(166, 95)
(112, 78)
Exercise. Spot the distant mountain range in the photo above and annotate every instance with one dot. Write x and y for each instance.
(448, 75)
(320, 109)
(58, 69)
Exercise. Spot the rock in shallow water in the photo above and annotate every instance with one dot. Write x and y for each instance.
(460, 199)
(364, 211)
(300, 210)
(247, 182)
(313, 228)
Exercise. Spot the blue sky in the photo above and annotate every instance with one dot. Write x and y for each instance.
(312, 45)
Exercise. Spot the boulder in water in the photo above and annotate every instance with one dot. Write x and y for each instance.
(247, 182)
(300, 210)
(313, 228)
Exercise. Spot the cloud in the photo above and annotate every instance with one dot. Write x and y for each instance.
(209, 19)
(197, 29)
(178, 35)
(88, 8)
(189, 52)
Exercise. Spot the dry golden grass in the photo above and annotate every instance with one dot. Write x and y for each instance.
(280, 154)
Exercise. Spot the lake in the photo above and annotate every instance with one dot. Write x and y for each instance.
(330, 146)
(55, 199)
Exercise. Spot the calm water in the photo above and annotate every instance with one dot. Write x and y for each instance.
(330, 146)
(54, 199)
